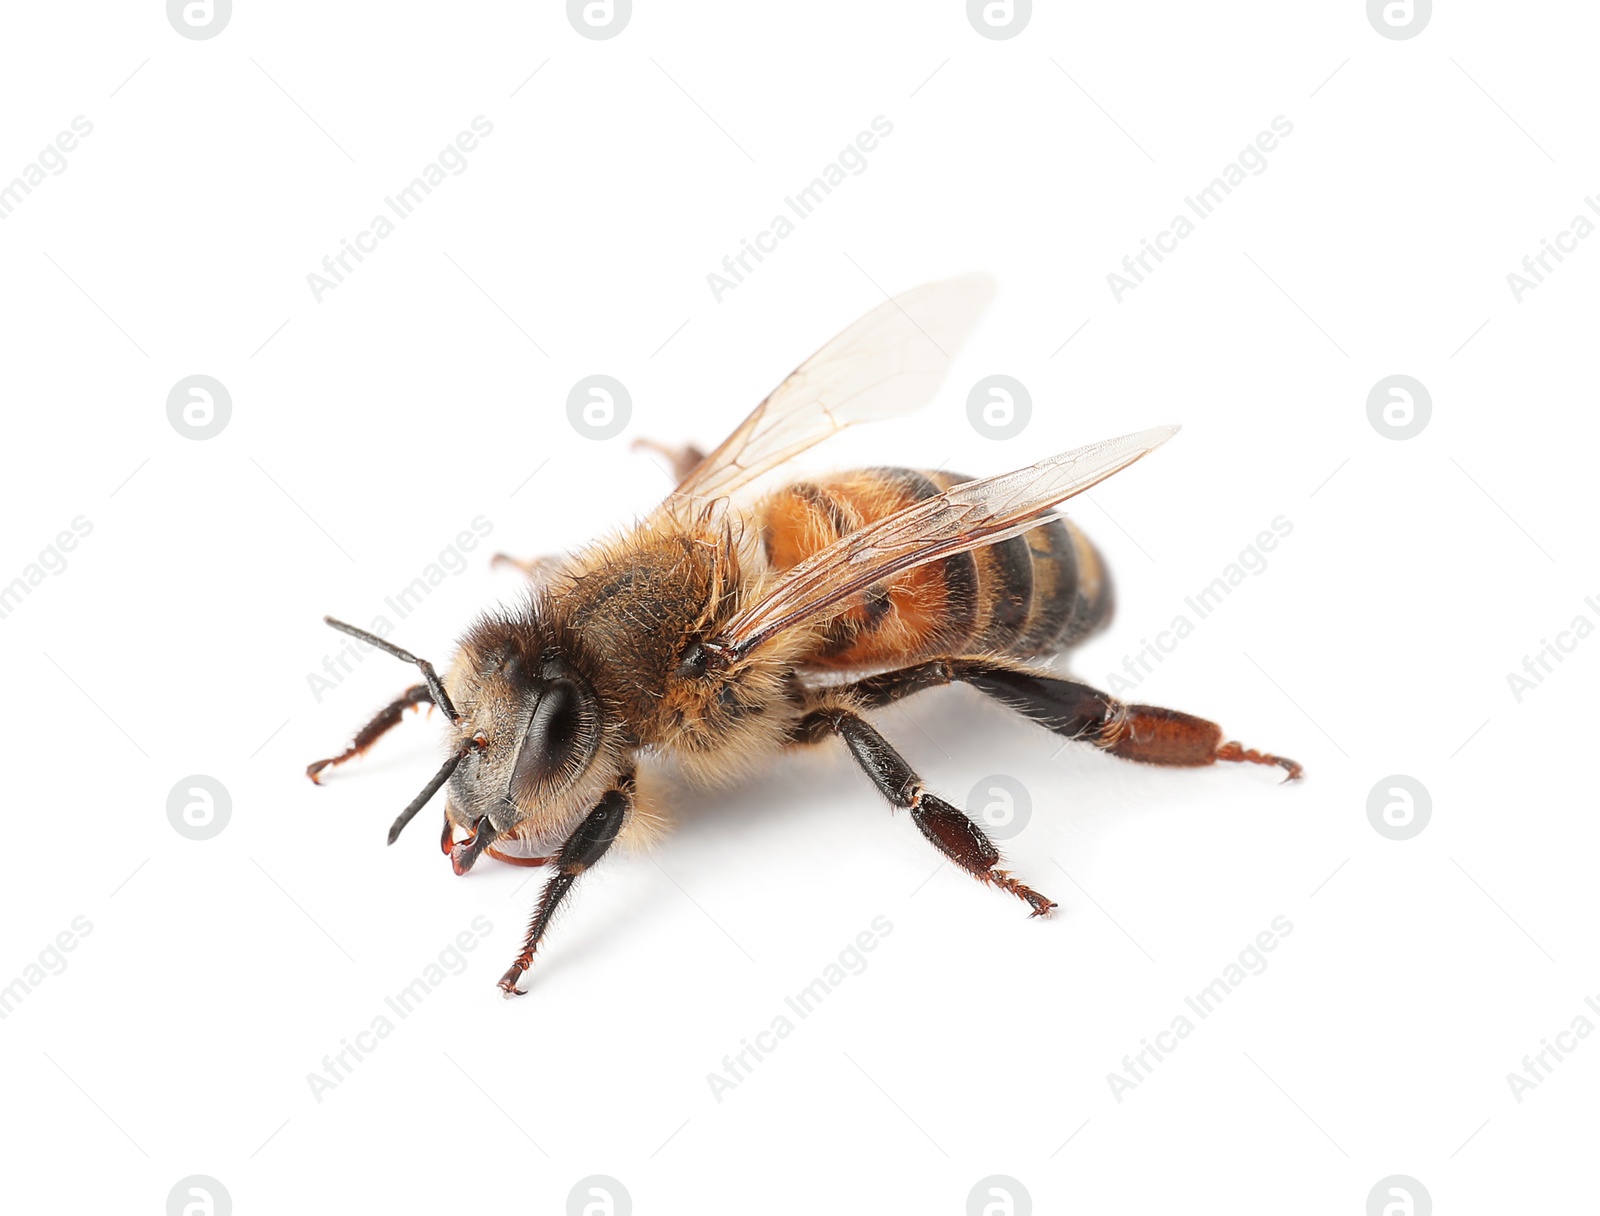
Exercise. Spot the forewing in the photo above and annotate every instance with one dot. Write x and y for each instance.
(887, 364)
(966, 516)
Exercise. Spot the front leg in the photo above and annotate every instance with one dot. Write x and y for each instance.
(945, 827)
(387, 719)
(586, 845)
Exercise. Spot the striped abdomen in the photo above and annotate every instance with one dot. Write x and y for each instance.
(1032, 595)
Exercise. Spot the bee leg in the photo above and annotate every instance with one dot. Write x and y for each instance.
(587, 845)
(945, 827)
(682, 459)
(387, 718)
(1147, 733)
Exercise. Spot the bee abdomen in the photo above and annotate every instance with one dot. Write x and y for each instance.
(1030, 595)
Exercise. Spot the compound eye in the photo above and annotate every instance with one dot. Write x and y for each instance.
(562, 737)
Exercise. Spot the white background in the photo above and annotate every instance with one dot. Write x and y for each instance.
(371, 427)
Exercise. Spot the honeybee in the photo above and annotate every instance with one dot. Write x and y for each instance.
(719, 631)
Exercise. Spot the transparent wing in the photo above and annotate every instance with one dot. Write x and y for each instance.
(888, 363)
(966, 516)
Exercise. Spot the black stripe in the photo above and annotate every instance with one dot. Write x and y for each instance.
(1012, 594)
(1088, 614)
(1055, 588)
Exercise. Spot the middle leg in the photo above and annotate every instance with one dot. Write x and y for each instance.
(945, 827)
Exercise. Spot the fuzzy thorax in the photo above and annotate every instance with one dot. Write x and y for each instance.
(625, 622)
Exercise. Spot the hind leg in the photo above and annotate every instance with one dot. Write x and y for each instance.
(1147, 733)
(944, 827)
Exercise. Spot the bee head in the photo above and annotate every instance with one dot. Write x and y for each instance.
(538, 747)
